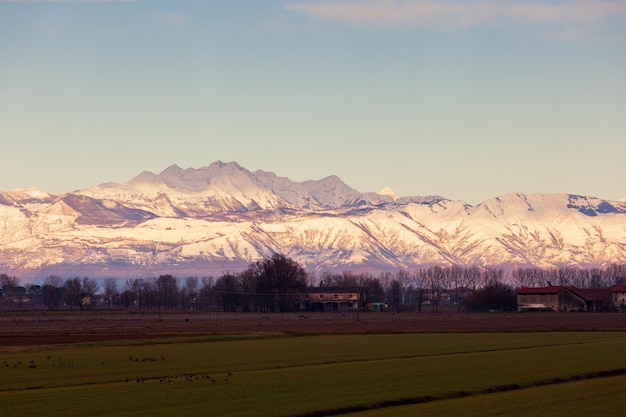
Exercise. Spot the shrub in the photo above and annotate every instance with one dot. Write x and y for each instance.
(494, 296)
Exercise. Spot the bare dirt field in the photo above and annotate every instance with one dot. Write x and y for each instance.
(38, 328)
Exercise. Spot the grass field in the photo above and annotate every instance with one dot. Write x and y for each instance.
(435, 374)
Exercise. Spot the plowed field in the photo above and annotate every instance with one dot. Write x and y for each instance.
(36, 328)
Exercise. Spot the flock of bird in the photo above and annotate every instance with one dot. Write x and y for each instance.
(187, 377)
(33, 365)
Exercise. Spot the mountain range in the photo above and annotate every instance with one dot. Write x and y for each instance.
(222, 217)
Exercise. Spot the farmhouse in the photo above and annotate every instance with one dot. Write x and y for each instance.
(330, 298)
(541, 298)
(563, 298)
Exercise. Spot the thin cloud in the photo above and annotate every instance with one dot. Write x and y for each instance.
(428, 13)
(173, 17)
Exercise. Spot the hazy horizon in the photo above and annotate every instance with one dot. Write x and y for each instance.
(385, 191)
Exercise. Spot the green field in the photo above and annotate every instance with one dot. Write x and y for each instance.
(435, 374)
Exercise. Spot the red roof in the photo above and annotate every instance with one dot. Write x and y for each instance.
(590, 294)
(326, 290)
(553, 289)
(619, 288)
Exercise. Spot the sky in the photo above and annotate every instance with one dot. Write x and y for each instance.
(468, 100)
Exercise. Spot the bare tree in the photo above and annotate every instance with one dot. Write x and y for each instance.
(346, 279)
(247, 284)
(527, 277)
(52, 291)
(404, 278)
(420, 282)
(167, 291)
(127, 297)
(437, 279)
(139, 291)
(395, 294)
(227, 288)
(9, 284)
(189, 293)
(110, 290)
(80, 291)
(616, 274)
(205, 294)
(278, 278)
(73, 292)
(490, 276)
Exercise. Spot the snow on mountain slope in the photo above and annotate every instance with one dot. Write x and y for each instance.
(227, 187)
(224, 216)
(331, 193)
(176, 192)
(549, 230)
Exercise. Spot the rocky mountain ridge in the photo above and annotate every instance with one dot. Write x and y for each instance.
(221, 217)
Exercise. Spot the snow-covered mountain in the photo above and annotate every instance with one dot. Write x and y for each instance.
(223, 217)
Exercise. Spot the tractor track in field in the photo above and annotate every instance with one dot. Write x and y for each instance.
(458, 394)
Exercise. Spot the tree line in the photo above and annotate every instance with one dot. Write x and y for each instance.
(73, 292)
(272, 285)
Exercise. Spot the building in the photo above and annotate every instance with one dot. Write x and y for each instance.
(618, 297)
(330, 299)
(563, 298)
(591, 299)
(540, 298)
(377, 307)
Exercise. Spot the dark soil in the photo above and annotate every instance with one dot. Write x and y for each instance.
(39, 328)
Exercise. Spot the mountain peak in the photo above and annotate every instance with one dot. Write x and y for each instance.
(173, 169)
(223, 215)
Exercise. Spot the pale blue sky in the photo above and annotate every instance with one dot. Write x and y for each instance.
(465, 99)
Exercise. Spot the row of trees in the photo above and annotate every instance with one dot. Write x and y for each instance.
(267, 285)
(272, 283)
(73, 292)
(578, 277)
(475, 288)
